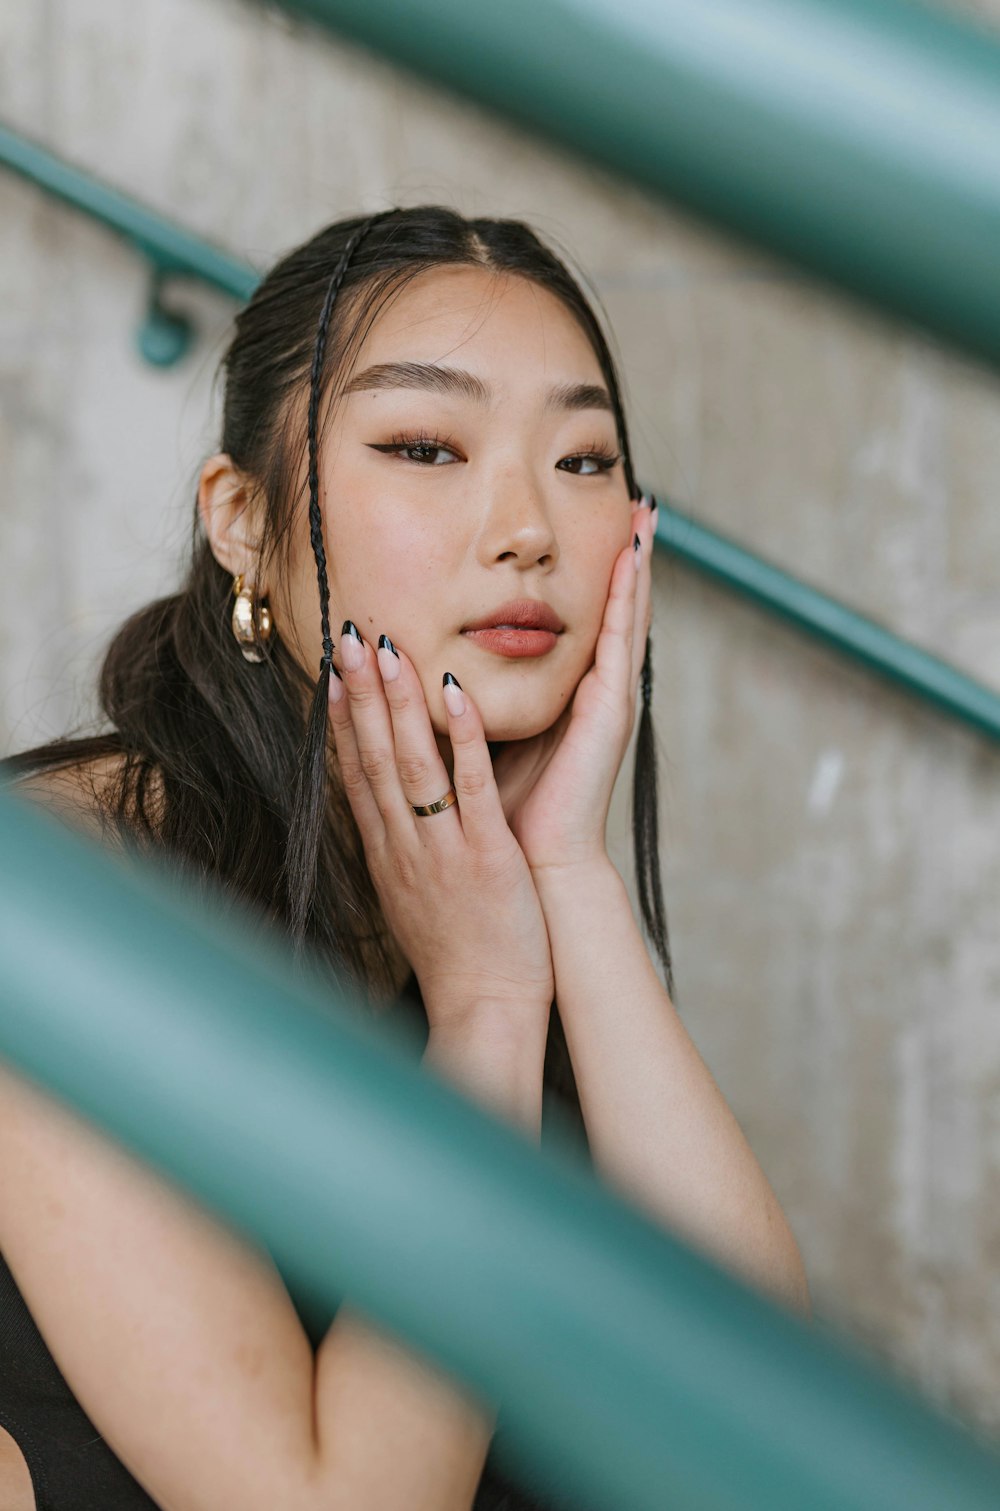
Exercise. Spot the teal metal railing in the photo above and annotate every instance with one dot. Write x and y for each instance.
(856, 137)
(627, 1368)
(176, 254)
(171, 252)
(829, 621)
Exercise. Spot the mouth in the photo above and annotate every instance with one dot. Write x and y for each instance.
(523, 628)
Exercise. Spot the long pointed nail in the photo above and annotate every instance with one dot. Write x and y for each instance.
(352, 651)
(388, 659)
(453, 695)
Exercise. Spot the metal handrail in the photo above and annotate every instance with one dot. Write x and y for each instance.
(629, 1370)
(172, 251)
(175, 252)
(856, 137)
(829, 621)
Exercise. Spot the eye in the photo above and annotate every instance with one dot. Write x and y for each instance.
(420, 448)
(417, 443)
(601, 456)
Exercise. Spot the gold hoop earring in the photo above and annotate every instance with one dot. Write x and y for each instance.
(251, 621)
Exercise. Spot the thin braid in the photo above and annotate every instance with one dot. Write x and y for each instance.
(309, 802)
(645, 796)
(319, 352)
(647, 862)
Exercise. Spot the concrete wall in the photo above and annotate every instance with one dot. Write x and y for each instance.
(831, 854)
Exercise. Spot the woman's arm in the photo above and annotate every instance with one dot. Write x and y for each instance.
(657, 1123)
(656, 1120)
(180, 1341)
(405, 1434)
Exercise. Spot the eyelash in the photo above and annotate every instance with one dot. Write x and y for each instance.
(602, 455)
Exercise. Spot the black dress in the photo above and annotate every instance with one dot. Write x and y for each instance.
(73, 1468)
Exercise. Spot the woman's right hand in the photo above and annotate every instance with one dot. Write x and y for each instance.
(454, 886)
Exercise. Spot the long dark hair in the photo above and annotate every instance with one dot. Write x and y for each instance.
(223, 763)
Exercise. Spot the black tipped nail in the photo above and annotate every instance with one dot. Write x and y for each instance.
(652, 502)
(635, 543)
(335, 672)
(350, 628)
(385, 644)
(449, 681)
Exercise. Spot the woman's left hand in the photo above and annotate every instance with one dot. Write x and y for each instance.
(556, 787)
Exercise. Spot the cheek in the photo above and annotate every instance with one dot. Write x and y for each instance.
(295, 604)
(595, 563)
(388, 576)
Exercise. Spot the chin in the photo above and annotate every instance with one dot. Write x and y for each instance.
(512, 723)
(508, 714)
(504, 731)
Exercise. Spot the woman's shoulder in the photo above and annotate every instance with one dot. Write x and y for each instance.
(85, 788)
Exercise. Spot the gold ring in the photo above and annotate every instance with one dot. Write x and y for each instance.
(442, 803)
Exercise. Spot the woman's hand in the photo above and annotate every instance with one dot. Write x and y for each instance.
(556, 787)
(455, 887)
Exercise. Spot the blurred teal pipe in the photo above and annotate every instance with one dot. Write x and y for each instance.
(857, 137)
(833, 623)
(626, 1367)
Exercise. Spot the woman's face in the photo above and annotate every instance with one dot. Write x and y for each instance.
(459, 474)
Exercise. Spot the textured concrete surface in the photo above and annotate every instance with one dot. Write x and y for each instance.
(831, 848)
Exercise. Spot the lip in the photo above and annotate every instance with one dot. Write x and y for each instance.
(513, 643)
(522, 627)
(518, 614)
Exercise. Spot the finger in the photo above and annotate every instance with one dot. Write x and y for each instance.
(613, 652)
(376, 750)
(423, 775)
(644, 526)
(480, 807)
(352, 777)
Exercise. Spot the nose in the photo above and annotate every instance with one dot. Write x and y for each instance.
(517, 527)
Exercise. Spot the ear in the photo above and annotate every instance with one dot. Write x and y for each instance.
(230, 512)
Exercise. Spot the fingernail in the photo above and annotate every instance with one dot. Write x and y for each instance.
(453, 695)
(653, 507)
(336, 689)
(352, 651)
(646, 502)
(388, 659)
(636, 550)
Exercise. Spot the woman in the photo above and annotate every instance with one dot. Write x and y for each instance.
(428, 817)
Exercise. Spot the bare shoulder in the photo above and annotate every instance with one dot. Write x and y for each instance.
(80, 793)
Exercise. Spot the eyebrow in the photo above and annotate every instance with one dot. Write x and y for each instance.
(456, 381)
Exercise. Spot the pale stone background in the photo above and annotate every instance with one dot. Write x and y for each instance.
(831, 848)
